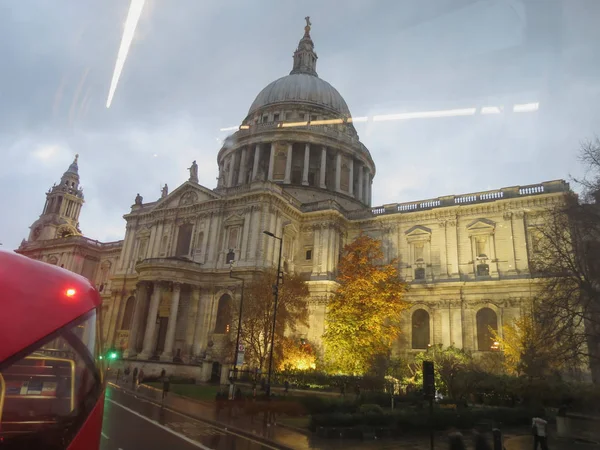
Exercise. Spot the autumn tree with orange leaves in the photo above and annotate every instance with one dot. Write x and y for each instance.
(257, 317)
(363, 317)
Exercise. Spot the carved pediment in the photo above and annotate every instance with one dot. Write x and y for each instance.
(481, 226)
(144, 233)
(186, 194)
(234, 219)
(290, 229)
(418, 233)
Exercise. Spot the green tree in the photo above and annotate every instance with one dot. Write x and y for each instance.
(363, 317)
(455, 371)
(531, 346)
(257, 317)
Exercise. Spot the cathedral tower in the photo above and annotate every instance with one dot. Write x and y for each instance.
(60, 217)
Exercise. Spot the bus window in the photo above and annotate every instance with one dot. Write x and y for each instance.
(47, 392)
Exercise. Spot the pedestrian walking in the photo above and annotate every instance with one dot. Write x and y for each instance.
(140, 378)
(166, 386)
(456, 441)
(539, 428)
(480, 441)
(126, 372)
(286, 386)
(134, 378)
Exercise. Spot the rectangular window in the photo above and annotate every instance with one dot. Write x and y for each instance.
(418, 252)
(313, 118)
(301, 116)
(309, 254)
(481, 244)
(233, 238)
(276, 117)
(184, 239)
(265, 118)
(288, 116)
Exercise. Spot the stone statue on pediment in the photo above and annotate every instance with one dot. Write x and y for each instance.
(164, 191)
(139, 199)
(194, 172)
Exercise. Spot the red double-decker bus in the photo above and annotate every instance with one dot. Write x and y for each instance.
(51, 381)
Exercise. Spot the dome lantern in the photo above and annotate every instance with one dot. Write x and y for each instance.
(305, 58)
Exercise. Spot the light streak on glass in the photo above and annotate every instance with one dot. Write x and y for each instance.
(135, 10)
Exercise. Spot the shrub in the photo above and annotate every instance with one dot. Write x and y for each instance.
(369, 408)
(335, 420)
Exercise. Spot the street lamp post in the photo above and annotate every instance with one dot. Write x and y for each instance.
(231, 260)
(276, 295)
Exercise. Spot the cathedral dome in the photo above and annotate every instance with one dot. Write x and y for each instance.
(302, 85)
(302, 88)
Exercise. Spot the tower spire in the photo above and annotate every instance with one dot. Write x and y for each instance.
(305, 58)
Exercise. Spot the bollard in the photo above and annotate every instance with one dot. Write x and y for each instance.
(497, 438)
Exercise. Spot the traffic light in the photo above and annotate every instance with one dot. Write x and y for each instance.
(428, 379)
(112, 356)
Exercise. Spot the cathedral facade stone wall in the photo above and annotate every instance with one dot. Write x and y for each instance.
(297, 169)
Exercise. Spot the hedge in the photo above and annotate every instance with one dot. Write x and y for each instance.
(407, 420)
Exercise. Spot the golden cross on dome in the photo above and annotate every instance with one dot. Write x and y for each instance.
(308, 24)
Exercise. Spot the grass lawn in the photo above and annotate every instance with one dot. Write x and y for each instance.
(195, 391)
(297, 422)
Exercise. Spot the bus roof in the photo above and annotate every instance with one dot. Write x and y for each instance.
(36, 299)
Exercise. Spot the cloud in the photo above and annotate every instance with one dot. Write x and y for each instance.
(195, 67)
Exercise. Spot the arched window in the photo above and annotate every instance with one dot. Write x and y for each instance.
(420, 329)
(224, 311)
(487, 320)
(128, 314)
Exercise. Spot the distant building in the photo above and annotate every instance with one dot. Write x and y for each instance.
(296, 168)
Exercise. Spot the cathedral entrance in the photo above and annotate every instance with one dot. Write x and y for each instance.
(215, 375)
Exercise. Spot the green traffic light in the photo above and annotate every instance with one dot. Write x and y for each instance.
(113, 355)
(101, 357)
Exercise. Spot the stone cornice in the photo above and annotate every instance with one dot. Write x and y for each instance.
(466, 211)
(258, 198)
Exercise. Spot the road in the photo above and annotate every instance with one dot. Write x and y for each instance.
(132, 423)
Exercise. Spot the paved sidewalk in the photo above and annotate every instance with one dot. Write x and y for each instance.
(290, 438)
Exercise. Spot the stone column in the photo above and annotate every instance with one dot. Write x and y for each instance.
(167, 354)
(245, 233)
(271, 162)
(198, 318)
(288, 165)
(242, 172)
(359, 194)
(114, 313)
(256, 161)
(338, 170)
(306, 164)
(520, 242)
(151, 323)
(190, 329)
(369, 187)
(323, 166)
(231, 169)
(351, 183)
(316, 249)
(140, 300)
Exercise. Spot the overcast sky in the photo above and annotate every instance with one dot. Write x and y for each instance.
(195, 66)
